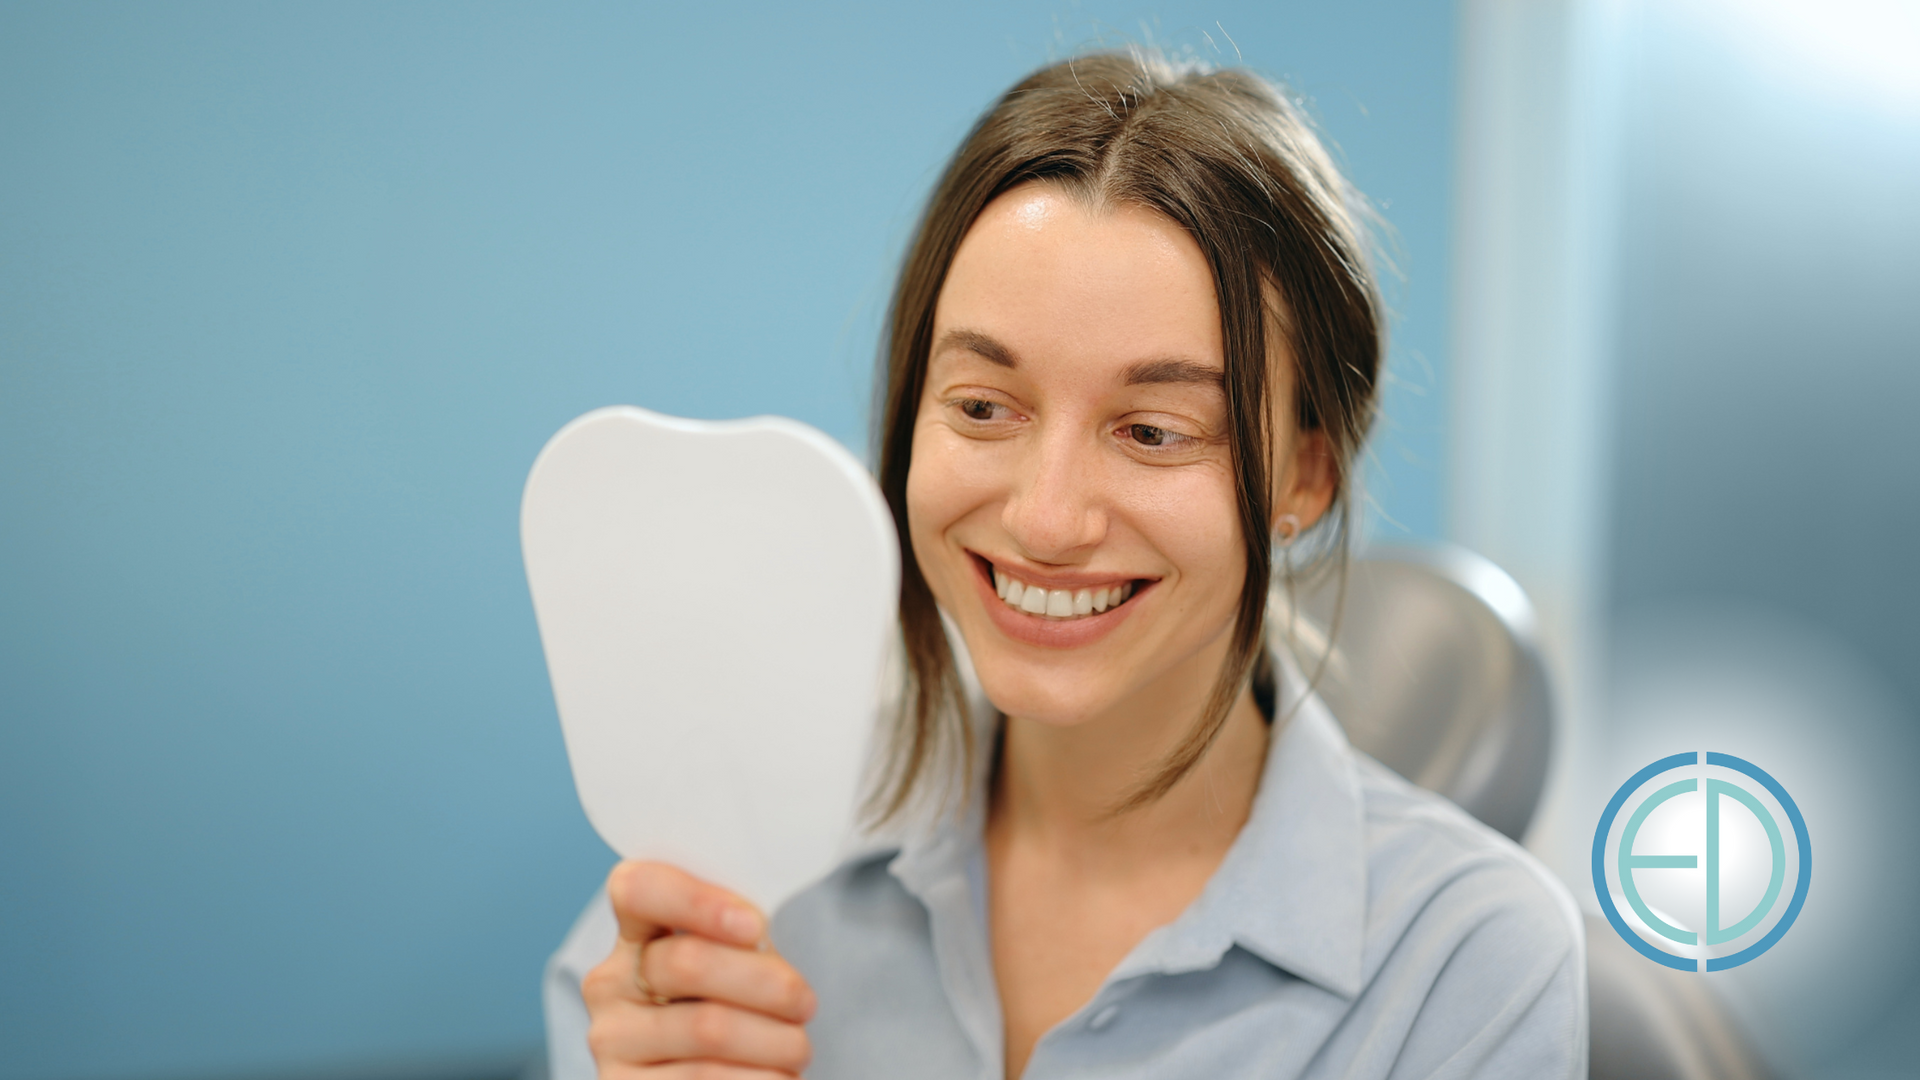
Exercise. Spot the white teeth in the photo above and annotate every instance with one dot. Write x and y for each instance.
(1057, 603)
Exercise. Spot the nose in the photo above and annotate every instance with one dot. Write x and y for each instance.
(1055, 511)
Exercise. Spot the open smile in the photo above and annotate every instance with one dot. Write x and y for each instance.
(1058, 603)
(1059, 610)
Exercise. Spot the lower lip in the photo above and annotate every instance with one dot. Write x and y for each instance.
(1052, 633)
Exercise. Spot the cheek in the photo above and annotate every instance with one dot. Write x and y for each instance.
(941, 490)
(1195, 524)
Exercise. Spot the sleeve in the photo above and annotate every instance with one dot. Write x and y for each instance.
(588, 943)
(1510, 1002)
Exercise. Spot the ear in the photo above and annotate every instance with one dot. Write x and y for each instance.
(1309, 477)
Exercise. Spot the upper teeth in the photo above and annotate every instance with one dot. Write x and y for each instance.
(1058, 603)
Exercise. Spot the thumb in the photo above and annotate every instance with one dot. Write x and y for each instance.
(652, 899)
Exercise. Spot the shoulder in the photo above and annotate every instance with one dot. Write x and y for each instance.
(1483, 944)
(1432, 868)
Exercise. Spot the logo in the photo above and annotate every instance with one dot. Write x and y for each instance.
(1701, 861)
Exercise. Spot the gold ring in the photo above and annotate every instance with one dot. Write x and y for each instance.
(653, 997)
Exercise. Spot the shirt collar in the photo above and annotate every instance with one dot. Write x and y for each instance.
(1292, 889)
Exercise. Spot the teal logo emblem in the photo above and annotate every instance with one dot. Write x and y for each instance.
(1710, 863)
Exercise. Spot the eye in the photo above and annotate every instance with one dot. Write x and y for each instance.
(1148, 435)
(975, 409)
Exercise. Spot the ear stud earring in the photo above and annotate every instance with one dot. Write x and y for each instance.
(1288, 526)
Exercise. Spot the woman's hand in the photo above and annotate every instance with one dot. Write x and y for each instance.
(692, 988)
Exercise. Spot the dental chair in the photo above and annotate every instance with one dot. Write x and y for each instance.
(1435, 670)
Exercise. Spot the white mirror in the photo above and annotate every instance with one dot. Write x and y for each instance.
(715, 600)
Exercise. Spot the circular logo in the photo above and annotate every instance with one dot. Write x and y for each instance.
(1701, 861)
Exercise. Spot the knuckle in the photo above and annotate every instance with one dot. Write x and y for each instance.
(600, 1037)
(680, 963)
(600, 982)
(710, 1028)
(624, 1035)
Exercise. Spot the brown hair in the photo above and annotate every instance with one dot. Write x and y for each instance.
(1228, 158)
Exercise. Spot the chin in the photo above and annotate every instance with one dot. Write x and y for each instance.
(1055, 695)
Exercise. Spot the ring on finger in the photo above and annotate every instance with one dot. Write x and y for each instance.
(653, 997)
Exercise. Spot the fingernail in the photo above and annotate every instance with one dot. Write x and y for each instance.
(740, 923)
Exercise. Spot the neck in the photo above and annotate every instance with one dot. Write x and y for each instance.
(1059, 786)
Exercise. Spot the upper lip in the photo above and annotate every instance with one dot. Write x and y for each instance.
(1054, 579)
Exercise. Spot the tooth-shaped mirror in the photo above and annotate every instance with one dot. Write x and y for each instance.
(715, 601)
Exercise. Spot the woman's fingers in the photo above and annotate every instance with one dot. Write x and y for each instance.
(692, 1070)
(713, 1071)
(690, 989)
(651, 899)
(696, 1031)
(685, 966)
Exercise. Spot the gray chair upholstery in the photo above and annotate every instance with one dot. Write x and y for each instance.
(1436, 672)
(1434, 668)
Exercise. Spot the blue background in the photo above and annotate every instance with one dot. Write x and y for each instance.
(290, 296)
(1765, 470)
(1769, 247)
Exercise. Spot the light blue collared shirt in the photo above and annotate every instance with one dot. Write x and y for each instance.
(1358, 927)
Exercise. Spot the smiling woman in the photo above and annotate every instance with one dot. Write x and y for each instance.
(1073, 435)
(1134, 346)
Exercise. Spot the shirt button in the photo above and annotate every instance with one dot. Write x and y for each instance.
(1104, 1017)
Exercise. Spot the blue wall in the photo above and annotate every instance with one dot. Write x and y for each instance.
(290, 295)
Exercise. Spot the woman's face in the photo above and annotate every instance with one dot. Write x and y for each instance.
(1071, 499)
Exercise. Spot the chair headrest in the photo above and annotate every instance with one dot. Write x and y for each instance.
(1430, 659)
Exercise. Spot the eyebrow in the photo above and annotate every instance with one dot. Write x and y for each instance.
(1144, 373)
(980, 345)
(1174, 371)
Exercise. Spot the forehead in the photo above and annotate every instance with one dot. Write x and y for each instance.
(1055, 278)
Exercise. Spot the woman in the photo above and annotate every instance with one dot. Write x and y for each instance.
(1133, 348)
